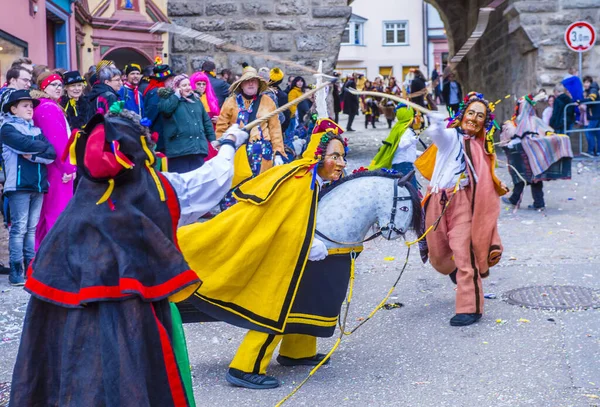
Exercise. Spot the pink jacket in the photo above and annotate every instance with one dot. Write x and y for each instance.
(50, 118)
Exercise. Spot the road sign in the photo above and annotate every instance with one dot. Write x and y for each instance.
(580, 36)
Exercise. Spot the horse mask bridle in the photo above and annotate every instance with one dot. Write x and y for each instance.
(391, 226)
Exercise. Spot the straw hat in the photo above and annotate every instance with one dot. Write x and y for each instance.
(247, 74)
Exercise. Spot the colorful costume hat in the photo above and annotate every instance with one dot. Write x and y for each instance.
(161, 71)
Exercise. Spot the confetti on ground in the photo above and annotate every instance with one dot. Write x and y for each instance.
(523, 320)
(389, 258)
(501, 321)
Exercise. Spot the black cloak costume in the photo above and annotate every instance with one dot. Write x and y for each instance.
(97, 331)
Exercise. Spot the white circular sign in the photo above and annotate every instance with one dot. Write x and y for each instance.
(580, 36)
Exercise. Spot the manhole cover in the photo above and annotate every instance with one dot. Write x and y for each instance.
(4, 394)
(554, 297)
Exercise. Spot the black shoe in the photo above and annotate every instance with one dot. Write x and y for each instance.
(350, 130)
(464, 319)
(453, 276)
(312, 361)
(537, 208)
(251, 380)
(4, 269)
(507, 201)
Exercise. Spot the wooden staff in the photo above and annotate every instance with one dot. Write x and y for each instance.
(286, 106)
(392, 97)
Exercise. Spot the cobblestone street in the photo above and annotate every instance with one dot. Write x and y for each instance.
(410, 356)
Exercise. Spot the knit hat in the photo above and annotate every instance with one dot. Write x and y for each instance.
(132, 68)
(103, 64)
(178, 79)
(73, 77)
(161, 71)
(276, 75)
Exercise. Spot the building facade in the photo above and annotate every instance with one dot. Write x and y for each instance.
(384, 38)
(119, 30)
(437, 41)
(42, 30)
(75, 34)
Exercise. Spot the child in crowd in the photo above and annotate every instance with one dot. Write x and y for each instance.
(25, 152)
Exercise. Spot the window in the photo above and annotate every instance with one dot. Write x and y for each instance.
(353, 33)
(395, 33)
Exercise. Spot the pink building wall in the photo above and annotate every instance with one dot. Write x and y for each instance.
(16, 21)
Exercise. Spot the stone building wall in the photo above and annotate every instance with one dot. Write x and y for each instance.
(302, 31)
(523, 48)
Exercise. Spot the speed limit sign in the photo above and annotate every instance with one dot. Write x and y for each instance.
(580, 36)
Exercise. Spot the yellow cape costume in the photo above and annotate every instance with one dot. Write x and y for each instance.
(251, 257)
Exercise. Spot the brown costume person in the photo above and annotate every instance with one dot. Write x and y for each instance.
(465, 243)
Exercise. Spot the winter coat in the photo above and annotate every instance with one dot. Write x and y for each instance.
(417, 85)
(557, 120)
(187, 128)
(102, 97)
(282, 99)
(446, 92)
(20, 137)
(593, 96)
(78, 112)
(151, 101)
(350, 101)
(127, 94)
(271, 129)
(51, 120)
(294, 94)
(220, 87)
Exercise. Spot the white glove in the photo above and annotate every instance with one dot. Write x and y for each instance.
(240, 135)
(318, 250)
(278, 160)
(436, 117)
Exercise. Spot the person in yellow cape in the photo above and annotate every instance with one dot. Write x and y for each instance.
(463, 196)
(399, 149)
(265, 147)
(259, 251)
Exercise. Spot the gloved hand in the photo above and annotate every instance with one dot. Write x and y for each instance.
(437, 117)
(318, 250)
(240, 135)
(278, 160)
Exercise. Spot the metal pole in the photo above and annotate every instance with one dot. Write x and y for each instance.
(580, 66)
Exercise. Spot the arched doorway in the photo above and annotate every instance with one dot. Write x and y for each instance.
(124, 56)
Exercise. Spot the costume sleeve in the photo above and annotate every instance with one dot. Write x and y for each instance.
(441, 136)
(167, 103)
(225, 118)
(200, 190)
(408, 139)
(51, 120)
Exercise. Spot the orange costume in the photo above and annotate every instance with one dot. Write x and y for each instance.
(465, 243)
